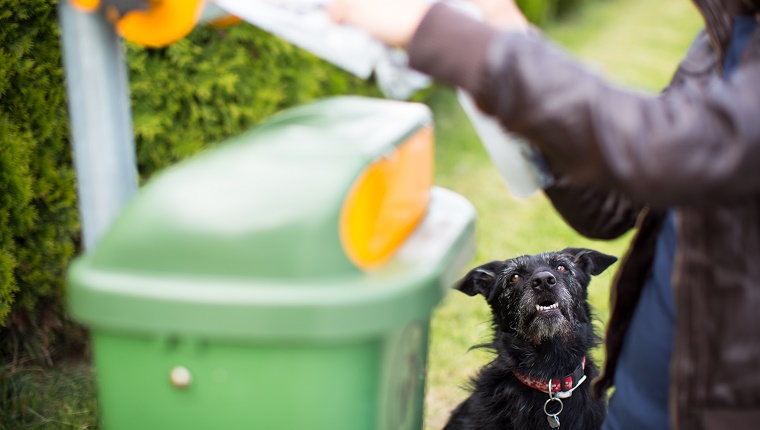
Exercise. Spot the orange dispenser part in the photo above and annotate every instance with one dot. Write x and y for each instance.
(387, 201)
(85, 5)
(225, 22)
(166, 21)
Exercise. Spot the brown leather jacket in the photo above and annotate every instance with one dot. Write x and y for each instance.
(623, 159)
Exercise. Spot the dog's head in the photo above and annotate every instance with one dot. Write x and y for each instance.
(538, 297)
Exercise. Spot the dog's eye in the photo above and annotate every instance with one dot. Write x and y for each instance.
(561, 269)
(514, 278)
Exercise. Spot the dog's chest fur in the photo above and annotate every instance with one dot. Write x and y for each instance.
(500, 401)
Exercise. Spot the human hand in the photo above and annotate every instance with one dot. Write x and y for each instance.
(502, 14)
(393, 22)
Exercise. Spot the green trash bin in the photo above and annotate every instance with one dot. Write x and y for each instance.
(282, 280)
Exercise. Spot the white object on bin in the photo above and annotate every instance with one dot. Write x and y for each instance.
(519, 164)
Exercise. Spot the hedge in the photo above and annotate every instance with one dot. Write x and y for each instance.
(38, 215)
(211, 85)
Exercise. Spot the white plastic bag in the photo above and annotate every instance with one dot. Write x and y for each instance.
(520, 165)
(306, 24)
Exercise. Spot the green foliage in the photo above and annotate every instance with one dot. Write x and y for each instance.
(38, 216)
(216, 83)
(63, 398)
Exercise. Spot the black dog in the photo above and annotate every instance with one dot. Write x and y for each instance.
(543, 331)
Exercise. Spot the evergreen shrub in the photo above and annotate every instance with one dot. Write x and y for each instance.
(38, 214)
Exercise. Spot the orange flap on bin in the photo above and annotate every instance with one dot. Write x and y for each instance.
(387, 201)
(163, 23)
(85, 5)
(166, 21)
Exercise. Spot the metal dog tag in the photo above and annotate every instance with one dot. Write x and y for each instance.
(553, 418)
(553, 421)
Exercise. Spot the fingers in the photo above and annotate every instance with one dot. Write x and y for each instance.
(338, 11)
(503, 14)
(391, 21)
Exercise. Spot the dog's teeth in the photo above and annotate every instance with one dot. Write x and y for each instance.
(547, 308)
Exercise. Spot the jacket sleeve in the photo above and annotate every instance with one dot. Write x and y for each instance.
(594, 213)
(685, 147)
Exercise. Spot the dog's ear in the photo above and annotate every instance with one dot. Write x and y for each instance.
(480, 280)
(590, 261)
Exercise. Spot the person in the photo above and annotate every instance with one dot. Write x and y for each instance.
(682, 167)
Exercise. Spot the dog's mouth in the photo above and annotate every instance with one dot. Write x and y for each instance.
(544, 318)
(547, 306)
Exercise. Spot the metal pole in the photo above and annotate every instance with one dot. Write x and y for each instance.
(100, 119)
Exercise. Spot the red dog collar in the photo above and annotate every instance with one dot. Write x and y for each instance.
(566, 383)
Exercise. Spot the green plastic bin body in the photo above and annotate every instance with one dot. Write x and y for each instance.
(222, 297)
(368, 383)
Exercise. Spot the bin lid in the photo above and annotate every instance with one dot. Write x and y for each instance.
(245, 239)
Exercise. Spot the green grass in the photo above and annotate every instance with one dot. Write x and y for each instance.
(636, 43)
(51, 399)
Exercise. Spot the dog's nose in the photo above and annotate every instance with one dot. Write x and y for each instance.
(543, 279)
